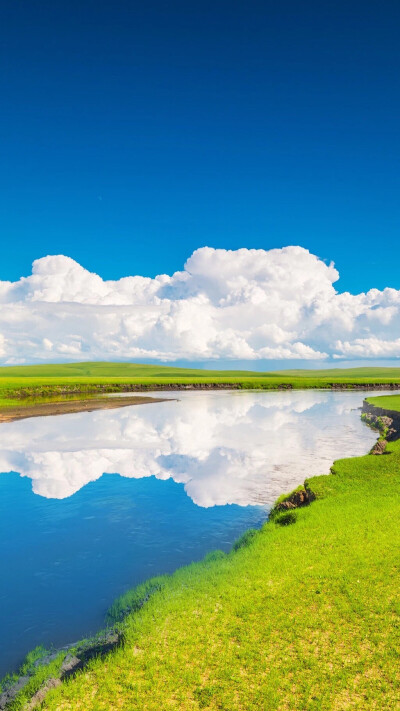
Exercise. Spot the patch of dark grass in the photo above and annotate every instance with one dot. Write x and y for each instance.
(285, 518)
(204, 695)
(213, 556)
(246, 539)
(133, 600)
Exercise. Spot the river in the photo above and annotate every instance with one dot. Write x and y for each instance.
(93, 503)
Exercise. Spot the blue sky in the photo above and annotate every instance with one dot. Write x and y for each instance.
(134, 133)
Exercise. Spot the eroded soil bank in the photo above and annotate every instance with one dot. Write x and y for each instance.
(382, 419)
(49, 390)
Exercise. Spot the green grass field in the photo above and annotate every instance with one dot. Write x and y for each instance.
(388, 402)
(49, 380)
(303, 616)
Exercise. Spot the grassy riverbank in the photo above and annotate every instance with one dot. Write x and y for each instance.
(304, 615)
(22, 382)
(387, 402)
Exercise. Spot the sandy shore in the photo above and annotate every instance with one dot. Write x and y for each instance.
(43, 409)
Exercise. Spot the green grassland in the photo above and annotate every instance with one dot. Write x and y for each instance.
(303, 615)
(47, 380)
(387, 402)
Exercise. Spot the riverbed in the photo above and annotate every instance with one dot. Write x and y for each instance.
(92, 503)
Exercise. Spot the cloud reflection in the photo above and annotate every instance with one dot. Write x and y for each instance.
(224, 447)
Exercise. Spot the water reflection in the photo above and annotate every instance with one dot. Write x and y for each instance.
(225, 447)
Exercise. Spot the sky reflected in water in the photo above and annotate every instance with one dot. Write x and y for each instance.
(225, 447)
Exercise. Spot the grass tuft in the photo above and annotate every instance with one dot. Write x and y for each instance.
(134, 599)
(285, 518)
(246, 539)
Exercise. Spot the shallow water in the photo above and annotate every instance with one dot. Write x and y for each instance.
(194, 474)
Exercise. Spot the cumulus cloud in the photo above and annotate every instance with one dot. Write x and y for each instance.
(245, 304)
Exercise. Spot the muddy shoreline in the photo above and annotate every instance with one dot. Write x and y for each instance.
(44, 409)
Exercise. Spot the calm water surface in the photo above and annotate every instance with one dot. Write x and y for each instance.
(93, 503)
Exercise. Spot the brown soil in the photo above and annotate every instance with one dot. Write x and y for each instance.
(42, 409)
(379, 447)
(302, 497)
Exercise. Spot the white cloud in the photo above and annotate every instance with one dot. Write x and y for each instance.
(369, 347)
(245, 304)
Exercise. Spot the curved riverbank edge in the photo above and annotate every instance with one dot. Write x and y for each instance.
(44, 409)
(376, 414)
(385, 421)
(44, 671)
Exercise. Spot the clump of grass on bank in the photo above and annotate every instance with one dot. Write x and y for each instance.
(134, 599)
(303, 616)
(60, 380)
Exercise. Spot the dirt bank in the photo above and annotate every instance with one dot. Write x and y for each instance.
(383, 419)
(42, 409)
